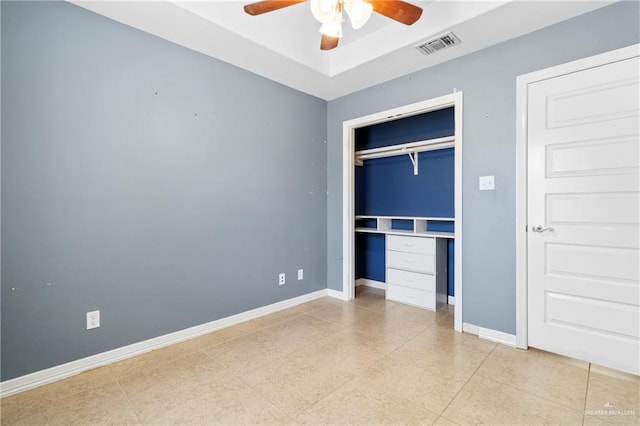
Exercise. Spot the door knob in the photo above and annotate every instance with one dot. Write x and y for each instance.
(540, 228)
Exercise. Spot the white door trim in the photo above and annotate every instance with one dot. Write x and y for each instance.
(522, 83)
(348, 199)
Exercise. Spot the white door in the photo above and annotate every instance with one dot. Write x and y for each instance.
(583, 215)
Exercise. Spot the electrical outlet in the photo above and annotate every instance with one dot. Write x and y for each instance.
(93, 319)
(281, 278)
(300, 274)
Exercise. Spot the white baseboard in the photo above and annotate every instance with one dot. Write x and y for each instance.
(371, 283)
(451, 300)
(39, 378)
(489, 334)
(336, 294)
(470, 328)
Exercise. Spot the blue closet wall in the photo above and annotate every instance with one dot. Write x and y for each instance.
(370, 256)
(388, 187)
(434, 124)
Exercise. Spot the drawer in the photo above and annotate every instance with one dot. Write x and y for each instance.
(411, 296)
(411, 279)
(410, 261)
(411, 244)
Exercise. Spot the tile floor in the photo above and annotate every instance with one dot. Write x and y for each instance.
(368, 361)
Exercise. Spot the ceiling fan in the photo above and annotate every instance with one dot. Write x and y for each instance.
(329, 13)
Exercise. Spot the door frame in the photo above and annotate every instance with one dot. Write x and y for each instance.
(522, 83)
(348, 188)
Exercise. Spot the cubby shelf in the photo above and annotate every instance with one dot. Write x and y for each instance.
(401, 225)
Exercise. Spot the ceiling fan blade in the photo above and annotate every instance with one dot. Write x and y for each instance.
(400, 11)
(260, 7)
(328, 43)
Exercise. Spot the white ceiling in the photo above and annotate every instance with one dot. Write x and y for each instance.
(284, 45)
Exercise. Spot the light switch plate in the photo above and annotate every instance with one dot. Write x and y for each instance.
(486, 183)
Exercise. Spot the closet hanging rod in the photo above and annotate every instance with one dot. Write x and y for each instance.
(407, 148)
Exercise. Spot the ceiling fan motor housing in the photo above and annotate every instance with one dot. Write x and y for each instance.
(329, 13)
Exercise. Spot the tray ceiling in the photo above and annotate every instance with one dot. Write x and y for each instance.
(284, 45)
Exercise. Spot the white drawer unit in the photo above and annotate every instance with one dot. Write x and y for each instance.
(416, 270)
(411, 279)
(411, 244)
(410, 261)
(411, 296)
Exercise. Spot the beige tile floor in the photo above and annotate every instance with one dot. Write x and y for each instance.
(330, 362)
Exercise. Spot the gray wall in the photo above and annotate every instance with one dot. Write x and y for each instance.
(488, 80)
(158, 185)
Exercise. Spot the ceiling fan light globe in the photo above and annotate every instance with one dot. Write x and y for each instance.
(359, 12)
(323, 10)
(331, 29)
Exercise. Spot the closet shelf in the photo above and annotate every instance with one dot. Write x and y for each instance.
(411, 149)
(401, 225)
(435, 234)
(434, 218)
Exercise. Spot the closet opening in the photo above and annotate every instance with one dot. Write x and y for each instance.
(402, 204)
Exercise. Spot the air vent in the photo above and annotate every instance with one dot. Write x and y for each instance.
(441, 42)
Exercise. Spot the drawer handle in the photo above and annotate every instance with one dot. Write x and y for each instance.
(409, 244)
(409, 261)
(409, 280)
(409, 296)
